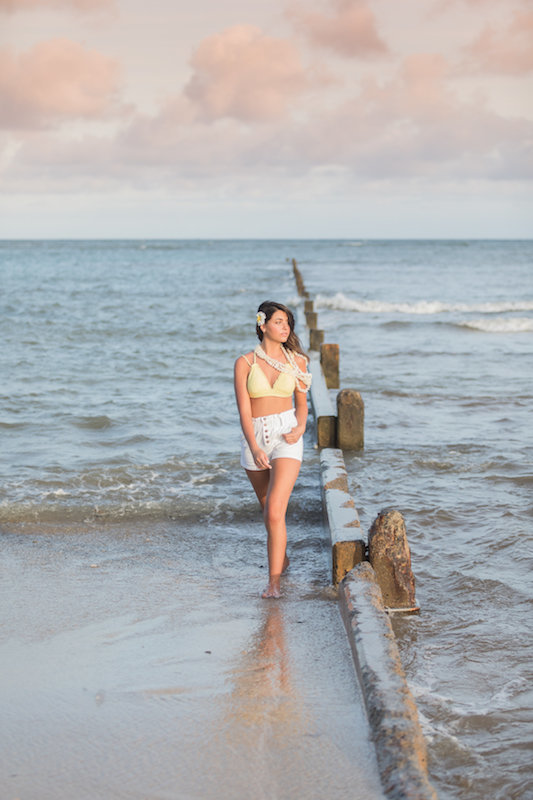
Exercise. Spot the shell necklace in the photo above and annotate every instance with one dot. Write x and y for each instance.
(291, 368)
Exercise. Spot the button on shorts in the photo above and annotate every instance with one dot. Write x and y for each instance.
(269, 437)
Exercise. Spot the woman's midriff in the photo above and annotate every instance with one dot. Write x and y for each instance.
(264, 406)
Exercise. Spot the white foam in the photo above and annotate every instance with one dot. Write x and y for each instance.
(500, 325)
(503, 697)
(340, 302)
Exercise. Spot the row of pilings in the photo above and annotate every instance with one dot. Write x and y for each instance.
(340, 427)
(374, 577)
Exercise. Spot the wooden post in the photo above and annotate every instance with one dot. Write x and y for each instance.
(316, 337)
(350, 420)
(347, 545)
(389, 554)
(323, 412)
(308, 306)
(329, 359)
(391, 709)
(311, 318)
(299, 280)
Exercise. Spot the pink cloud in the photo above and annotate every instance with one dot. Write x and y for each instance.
(11, 6)
(444, 4)
(412, 125)
(508, 50)
(55, 80)
(350, 30)
(244, 74)
(422, 91)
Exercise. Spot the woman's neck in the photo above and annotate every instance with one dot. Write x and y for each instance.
(272, 349)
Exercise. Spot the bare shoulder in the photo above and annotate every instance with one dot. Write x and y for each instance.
(302, 361)
(244, 361)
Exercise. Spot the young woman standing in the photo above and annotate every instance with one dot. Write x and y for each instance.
(266, 382)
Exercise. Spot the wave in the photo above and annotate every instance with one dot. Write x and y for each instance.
(175, 489)
(499, 325)
(340, 302)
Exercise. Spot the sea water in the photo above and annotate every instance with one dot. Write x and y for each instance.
(116, 404)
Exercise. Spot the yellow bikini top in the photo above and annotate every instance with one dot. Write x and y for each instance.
(258, 384)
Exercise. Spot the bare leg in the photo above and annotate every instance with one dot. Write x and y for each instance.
(281, 482)
(260, 480)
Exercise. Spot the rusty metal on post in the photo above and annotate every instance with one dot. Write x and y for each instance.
(329, 359)
(351, 420)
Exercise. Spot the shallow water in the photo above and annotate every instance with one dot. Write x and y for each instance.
(116, 406)
(140, 661)
(438, 337)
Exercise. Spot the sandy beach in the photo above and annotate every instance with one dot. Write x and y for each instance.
(140, 663)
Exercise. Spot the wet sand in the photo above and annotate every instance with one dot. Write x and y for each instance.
(128, 671)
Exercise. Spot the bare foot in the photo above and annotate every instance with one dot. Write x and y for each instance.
(272, 590)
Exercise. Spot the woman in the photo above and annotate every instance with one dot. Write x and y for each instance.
(266, 380)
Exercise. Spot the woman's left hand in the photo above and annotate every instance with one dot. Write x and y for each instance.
(293, 435)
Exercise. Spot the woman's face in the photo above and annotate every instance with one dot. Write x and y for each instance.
(277, 327)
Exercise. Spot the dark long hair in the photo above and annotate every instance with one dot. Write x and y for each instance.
(269, 307)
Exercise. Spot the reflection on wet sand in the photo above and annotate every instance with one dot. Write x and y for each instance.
(263, 694)
(264, 721)
(130, 681)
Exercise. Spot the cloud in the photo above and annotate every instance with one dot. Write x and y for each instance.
(411, 126)
(243, 74)
(416, 125)
(12, 6)
(443, 5)
(421, 90)
(55, 80)
(350, 30)
(504, 50)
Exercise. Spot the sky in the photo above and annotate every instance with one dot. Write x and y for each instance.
(266, 119)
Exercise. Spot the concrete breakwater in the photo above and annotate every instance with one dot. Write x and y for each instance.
(374, 579)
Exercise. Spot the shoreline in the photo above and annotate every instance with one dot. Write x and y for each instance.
(128, 672)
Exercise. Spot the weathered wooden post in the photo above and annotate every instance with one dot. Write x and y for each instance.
(308, 306)
(350, 420)
(391, 709)
(347, 545)
(299, 280)
(390, 557)
(329, 359)
(316, 337)
(323, 412)
(311, 319)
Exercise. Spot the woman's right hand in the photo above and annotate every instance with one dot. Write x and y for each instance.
(261, 459)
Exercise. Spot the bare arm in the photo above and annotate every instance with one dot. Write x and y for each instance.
(242, 368)
(300, 408)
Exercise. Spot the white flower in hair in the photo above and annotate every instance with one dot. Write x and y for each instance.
(261, 318)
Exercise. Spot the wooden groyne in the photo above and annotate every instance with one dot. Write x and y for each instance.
(391, 709)
(340, 428)
(374, 578)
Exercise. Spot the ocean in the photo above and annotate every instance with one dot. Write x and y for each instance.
(116, 406)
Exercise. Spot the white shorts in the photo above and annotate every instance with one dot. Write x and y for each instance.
(269, 437)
